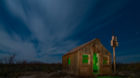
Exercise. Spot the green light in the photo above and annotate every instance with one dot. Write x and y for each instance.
(104, 61)
(69, 60)
(95, 63)
(85, 59)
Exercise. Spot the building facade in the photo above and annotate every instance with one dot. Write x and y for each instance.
(91, 58)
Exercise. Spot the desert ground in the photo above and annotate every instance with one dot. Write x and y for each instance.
(55, 71)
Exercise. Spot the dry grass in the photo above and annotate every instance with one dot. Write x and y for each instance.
(15, 70)
(54, 71)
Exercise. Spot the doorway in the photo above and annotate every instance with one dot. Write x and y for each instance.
(95, 63)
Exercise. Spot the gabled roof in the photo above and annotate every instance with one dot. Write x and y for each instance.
(81, 46)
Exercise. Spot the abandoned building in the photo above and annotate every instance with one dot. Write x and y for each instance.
(91, 58)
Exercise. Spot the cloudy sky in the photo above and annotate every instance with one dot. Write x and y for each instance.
(44, 30)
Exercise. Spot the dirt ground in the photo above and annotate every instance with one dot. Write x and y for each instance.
(125, 74)
(46, 75)
(55, 71)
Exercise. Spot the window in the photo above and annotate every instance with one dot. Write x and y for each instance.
(105, 60)
(69, 61)
(85, 59)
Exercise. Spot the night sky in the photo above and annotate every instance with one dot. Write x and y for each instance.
(44, 30)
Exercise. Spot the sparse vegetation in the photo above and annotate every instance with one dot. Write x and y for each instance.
(42, 69)
(134, 67)
(15, 70)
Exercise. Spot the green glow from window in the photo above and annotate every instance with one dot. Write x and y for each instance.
(95, 63)
(85, 59)
(69, 61)
(104, 61)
